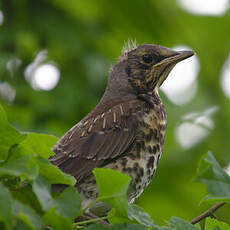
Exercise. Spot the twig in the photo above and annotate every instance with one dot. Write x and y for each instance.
(86, 208)
(208, 213)
(91, 221)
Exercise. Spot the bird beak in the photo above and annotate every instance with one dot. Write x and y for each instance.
(176, 57)
(166, 65)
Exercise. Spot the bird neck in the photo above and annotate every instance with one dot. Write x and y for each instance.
(118, 87)
(114, 95)
(151, 98)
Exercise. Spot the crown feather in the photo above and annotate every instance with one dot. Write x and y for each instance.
(129, 46)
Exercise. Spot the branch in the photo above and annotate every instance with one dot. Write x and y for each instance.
(208, 213)
(99, 219)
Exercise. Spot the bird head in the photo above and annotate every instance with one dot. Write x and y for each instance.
(143, 69)
(149, 65)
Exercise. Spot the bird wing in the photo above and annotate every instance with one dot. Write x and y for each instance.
(97, 139)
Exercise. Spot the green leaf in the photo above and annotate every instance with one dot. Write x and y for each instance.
(6, 206)
(39, 144)
(56, 221)
(68, 203)
(117, 218)
(9, 136)
(117, 227)
(41, 188)
(112, 188)
(25, 195)
(215, 178)
(136, 213)
(213, 224)
(28, 215)
(24, 166)
(54, 174)
(179, 224)
(214, 199)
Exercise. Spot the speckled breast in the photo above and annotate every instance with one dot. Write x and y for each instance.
(147, 149)
(142, 159)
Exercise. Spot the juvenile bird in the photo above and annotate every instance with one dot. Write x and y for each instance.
(126, 130)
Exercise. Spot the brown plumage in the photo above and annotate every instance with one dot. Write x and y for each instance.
(126, 130)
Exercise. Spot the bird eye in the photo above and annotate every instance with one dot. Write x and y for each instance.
(147, 58)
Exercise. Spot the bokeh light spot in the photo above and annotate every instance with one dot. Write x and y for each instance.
(225, 78)
(7, 92)
(1, 18)
(45, 77)
(13, 65)
(181, 85)
(205, 7)
(40, 75)
(189, 134)
(227, 169)
(195, 127)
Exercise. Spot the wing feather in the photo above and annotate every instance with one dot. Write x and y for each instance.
(96, 140)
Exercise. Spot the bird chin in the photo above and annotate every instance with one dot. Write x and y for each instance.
(166, 65)
(164, 74)
(160, 73)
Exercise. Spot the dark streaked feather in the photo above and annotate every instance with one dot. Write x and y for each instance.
(96, 139)
(78, 167)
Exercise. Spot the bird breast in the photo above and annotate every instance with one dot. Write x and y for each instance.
(149, 145)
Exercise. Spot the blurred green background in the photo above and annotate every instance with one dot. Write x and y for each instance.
(79, 40)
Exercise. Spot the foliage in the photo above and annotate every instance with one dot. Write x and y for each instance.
(215, 178)
(82, 39)
(213, 224)
(27, 202)
(26, 177)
